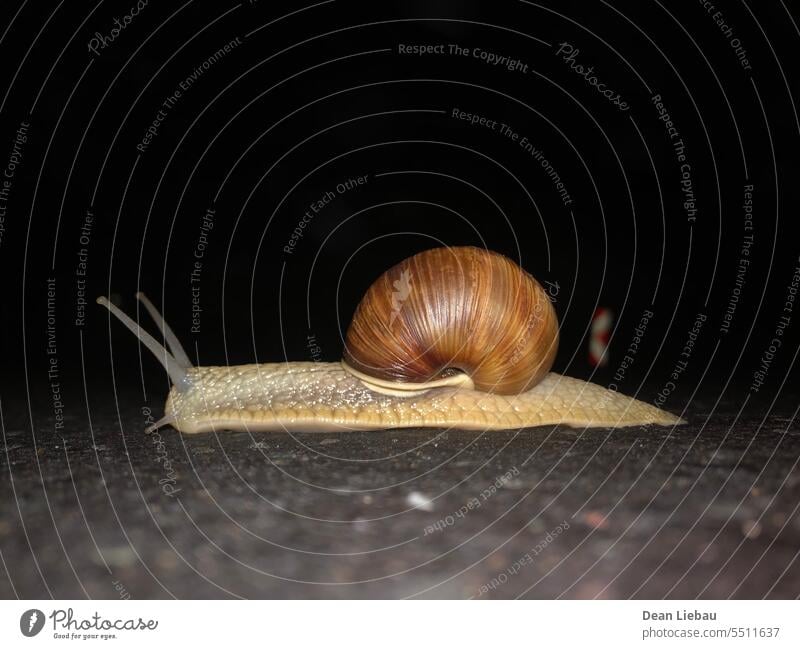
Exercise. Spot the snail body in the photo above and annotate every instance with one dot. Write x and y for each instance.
(323, 397)
(451, 337)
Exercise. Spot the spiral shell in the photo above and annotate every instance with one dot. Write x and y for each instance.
(454, 310)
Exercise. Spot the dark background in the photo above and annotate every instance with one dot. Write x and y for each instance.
(312, 98)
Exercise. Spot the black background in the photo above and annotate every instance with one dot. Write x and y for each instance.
(313, 98)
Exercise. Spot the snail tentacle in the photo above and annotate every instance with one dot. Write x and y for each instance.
(172, 340)
(177, 372)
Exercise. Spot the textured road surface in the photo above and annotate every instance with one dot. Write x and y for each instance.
(705, 510)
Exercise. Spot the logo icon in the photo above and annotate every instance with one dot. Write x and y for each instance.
(31, 622)
(402, 290)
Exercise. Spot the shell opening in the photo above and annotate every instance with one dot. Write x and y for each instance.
(453, 378)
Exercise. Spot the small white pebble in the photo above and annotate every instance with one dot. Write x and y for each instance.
(751, 529)
(419, 501)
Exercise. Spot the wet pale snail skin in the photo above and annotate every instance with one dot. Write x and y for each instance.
(449, 338)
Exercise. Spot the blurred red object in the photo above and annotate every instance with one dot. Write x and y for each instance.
(602, 322)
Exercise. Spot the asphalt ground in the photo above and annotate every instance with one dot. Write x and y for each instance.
(708, 510)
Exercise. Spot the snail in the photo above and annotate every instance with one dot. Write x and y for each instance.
(449, 338)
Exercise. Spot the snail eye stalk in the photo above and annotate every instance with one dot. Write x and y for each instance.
(172, 340)
(176, 370)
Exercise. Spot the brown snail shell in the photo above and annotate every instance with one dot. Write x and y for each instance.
(460, 315)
